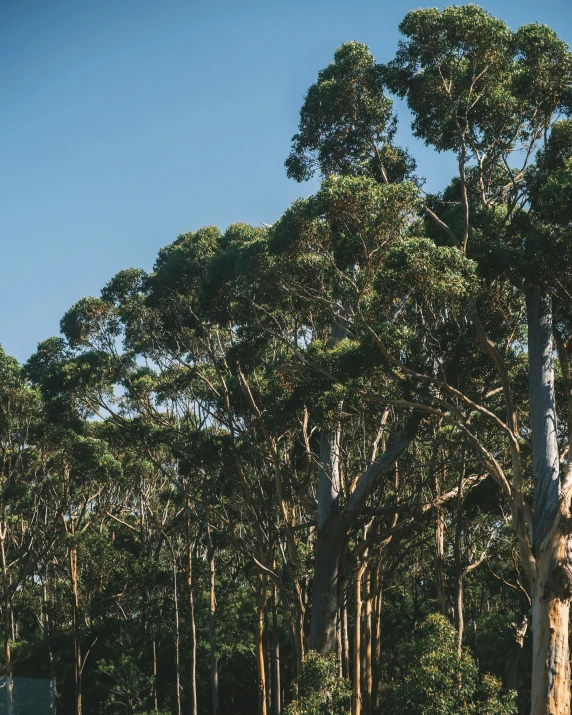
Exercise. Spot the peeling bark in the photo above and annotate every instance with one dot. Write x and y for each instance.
(552, 581)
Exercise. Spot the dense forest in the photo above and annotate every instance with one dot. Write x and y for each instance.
(322, 466)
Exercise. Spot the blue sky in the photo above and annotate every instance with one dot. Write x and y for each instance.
(126, 122)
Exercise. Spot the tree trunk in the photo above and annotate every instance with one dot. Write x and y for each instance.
(345, 640)
(550, 691)
(329, 546)
(212, 624)
(357, 700)
(368, 665)
(78, 665)
(48, 637)
(260, 661)
(325, 586)
(154, 646)
(333, 529)
(439, 559)
(459, 571)
(339, 646)
(7, 627)
(190, 595)
(375, 700)
(276, 690)
(177, 636)
(551, 587)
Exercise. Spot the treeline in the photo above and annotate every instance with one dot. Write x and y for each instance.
(322, 466)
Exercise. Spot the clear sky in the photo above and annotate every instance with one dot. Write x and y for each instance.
(126, 122)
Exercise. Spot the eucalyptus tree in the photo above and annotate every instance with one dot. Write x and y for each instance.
(492, 97)
(350, 222)
(343, 245)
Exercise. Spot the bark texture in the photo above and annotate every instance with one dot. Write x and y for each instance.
(332, 538)
(552, 581)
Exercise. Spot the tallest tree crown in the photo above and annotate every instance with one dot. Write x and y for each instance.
(472, 82)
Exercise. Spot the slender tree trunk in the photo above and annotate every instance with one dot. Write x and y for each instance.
(260, 659)
(7, 627)
(367, 650)
(459, 571)
(13, 627)
(177, 636)
(190, 595)
(268, 659)
(439, 559)
(212, 624)
(357, 699)
(78, 665)
(276, 690)
(154, 645)
(551, 587)
(339, 646)
(377, 641)
(367, 642)
(48, 637)
(345, 640)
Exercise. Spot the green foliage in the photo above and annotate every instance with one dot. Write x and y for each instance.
(344, 118)
(126, 687)
(442, 681)
(494, 700)
(319, 689)
(441, 272)
(448, 59)
(439, 681)
(182, 414)
(347, 123)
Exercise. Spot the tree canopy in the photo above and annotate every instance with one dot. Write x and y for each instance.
(321, 466)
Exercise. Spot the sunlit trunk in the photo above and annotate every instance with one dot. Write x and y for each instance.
(459, 572)
(552, 586)
(78, 665)
(7, 623)
(439, 554)
(550, 691)
(212, 625)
